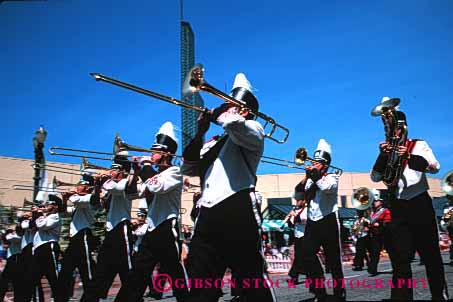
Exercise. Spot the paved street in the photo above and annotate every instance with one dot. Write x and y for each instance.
(357, 290)
(354, 292)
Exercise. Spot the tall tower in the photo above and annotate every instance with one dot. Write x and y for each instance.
(188, 116)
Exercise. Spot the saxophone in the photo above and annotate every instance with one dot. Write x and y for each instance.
(395, 136)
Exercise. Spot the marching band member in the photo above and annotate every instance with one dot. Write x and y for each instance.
(413, 216)
(115, 253)
(298, 220)
(27, 223)
(12, 271)
(46, 249)
(322, 229)
(447, 222)
(380, 233)
(78, 254)
(361, 235)
(228, 226)
(161, 243)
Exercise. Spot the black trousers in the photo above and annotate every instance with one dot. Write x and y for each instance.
(414, 222)
(114, 258)
(228, 235)
(362, 250)
(297, 267)
(159, 246)
(27, 286)
(325, 233)
(13, 272)
(77, 255)
(45, 264)
(378, 242)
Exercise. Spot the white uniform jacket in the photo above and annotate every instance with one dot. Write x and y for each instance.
(49, 227)
(325, 200)
(167, 189)
(120, 205)
(14, 242)
(83, 217)
(234, 169)
(29, 233)
(413, 182)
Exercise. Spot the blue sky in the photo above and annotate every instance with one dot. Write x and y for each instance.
(319, 68)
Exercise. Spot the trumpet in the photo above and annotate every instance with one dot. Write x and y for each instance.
(194, 82)
(300, 157)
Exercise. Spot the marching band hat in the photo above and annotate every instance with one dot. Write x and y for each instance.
(242, 91)
(376, 194)
(323, 152)
(166, 139)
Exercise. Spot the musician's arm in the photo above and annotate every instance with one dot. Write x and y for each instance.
(423, 159)
(328, 183)
(164, 183)
(379, 167)
(245, 133)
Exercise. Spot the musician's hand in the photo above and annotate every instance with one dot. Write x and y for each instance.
(402, 151)
(218, 111)
(376, 224)
(203, 123)
(384, 147)
(292, 213)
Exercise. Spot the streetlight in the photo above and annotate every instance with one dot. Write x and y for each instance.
(38, 144)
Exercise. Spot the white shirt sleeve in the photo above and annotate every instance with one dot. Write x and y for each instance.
(111, 185)
(328, 183)
(80, 201)
(425, 151)
(245, 133)
(48, 222)
(25, 224)
(165, 181)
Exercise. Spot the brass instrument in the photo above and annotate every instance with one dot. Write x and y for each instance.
(447, 183)
(362, 198)
(358, 228)
(300, 157)
(87, 165)
(118, 145)
(194, 82)
(395, 135)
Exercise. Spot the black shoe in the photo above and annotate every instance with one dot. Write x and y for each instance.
(372, 273)
(340, 296)
(155, 295)
(357, 268)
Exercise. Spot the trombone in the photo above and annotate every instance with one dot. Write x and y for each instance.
(119, 145)
(300, 157)
(194, 82)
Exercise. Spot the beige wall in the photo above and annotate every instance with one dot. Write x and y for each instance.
(15, 171)
(19, 171)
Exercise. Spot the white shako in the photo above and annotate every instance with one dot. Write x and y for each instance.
(120, 204)
(325, 199)
(165, 185)
(234, 169)
(83, 215)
